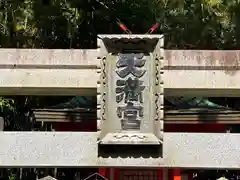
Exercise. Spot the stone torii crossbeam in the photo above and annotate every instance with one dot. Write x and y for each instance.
(76, 72)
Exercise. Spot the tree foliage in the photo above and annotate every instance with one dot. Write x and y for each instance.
(198, 24)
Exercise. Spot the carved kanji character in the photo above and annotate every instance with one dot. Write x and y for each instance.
(131, 88)
(131, 116)
(131, 64)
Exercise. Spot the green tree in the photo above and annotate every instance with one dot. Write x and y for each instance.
(208, 24)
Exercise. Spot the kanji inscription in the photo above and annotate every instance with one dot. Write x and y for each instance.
(131, 64)
(129, 89)
(131, 116)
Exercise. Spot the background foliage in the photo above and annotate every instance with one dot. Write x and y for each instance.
(200, 24)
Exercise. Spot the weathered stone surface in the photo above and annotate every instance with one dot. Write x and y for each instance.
(48, 58)
(79, 149)
(130, 102)
(48, 81)
(48, 149)
(67, 72)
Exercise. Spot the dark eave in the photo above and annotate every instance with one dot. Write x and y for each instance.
(179, 116)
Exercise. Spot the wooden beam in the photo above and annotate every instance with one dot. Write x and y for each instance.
(181, 116)
(201, 116)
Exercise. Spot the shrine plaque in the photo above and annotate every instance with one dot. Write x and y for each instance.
(130, 89)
